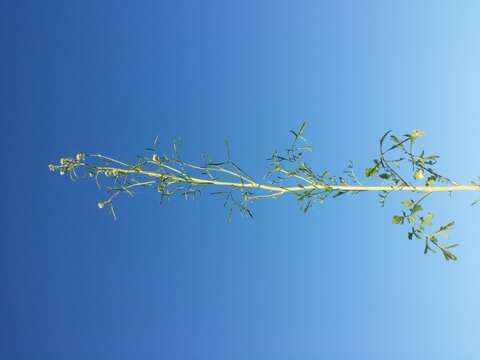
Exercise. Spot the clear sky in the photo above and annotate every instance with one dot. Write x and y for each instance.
(177, 281)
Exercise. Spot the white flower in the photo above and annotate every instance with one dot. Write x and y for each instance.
(101, 205)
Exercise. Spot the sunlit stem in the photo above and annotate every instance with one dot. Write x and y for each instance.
(277, 189)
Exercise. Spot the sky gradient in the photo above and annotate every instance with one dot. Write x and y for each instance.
(177, 281)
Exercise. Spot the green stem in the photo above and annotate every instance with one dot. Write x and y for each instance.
(255, 185)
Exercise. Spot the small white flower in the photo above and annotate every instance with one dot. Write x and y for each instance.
(80, 157)
(101, 205)
(62, 172)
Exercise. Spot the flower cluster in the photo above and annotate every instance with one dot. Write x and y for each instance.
(68, 165)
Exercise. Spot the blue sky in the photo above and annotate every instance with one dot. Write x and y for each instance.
(178, 281)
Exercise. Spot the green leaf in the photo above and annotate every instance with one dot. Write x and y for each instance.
(431, 180)
(397, 219)
(446, 227)
(397, 142)
(298, 136)
(450, 246)
(407, 203)
(396, 139)
(369, 172)
(302, 128)
(427, 220)
(411, 219)
(449, 256)
(431, 160)
(416, 208)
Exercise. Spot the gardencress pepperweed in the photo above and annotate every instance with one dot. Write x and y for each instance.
(288, 174)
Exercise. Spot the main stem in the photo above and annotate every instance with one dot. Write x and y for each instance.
(255, 185)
